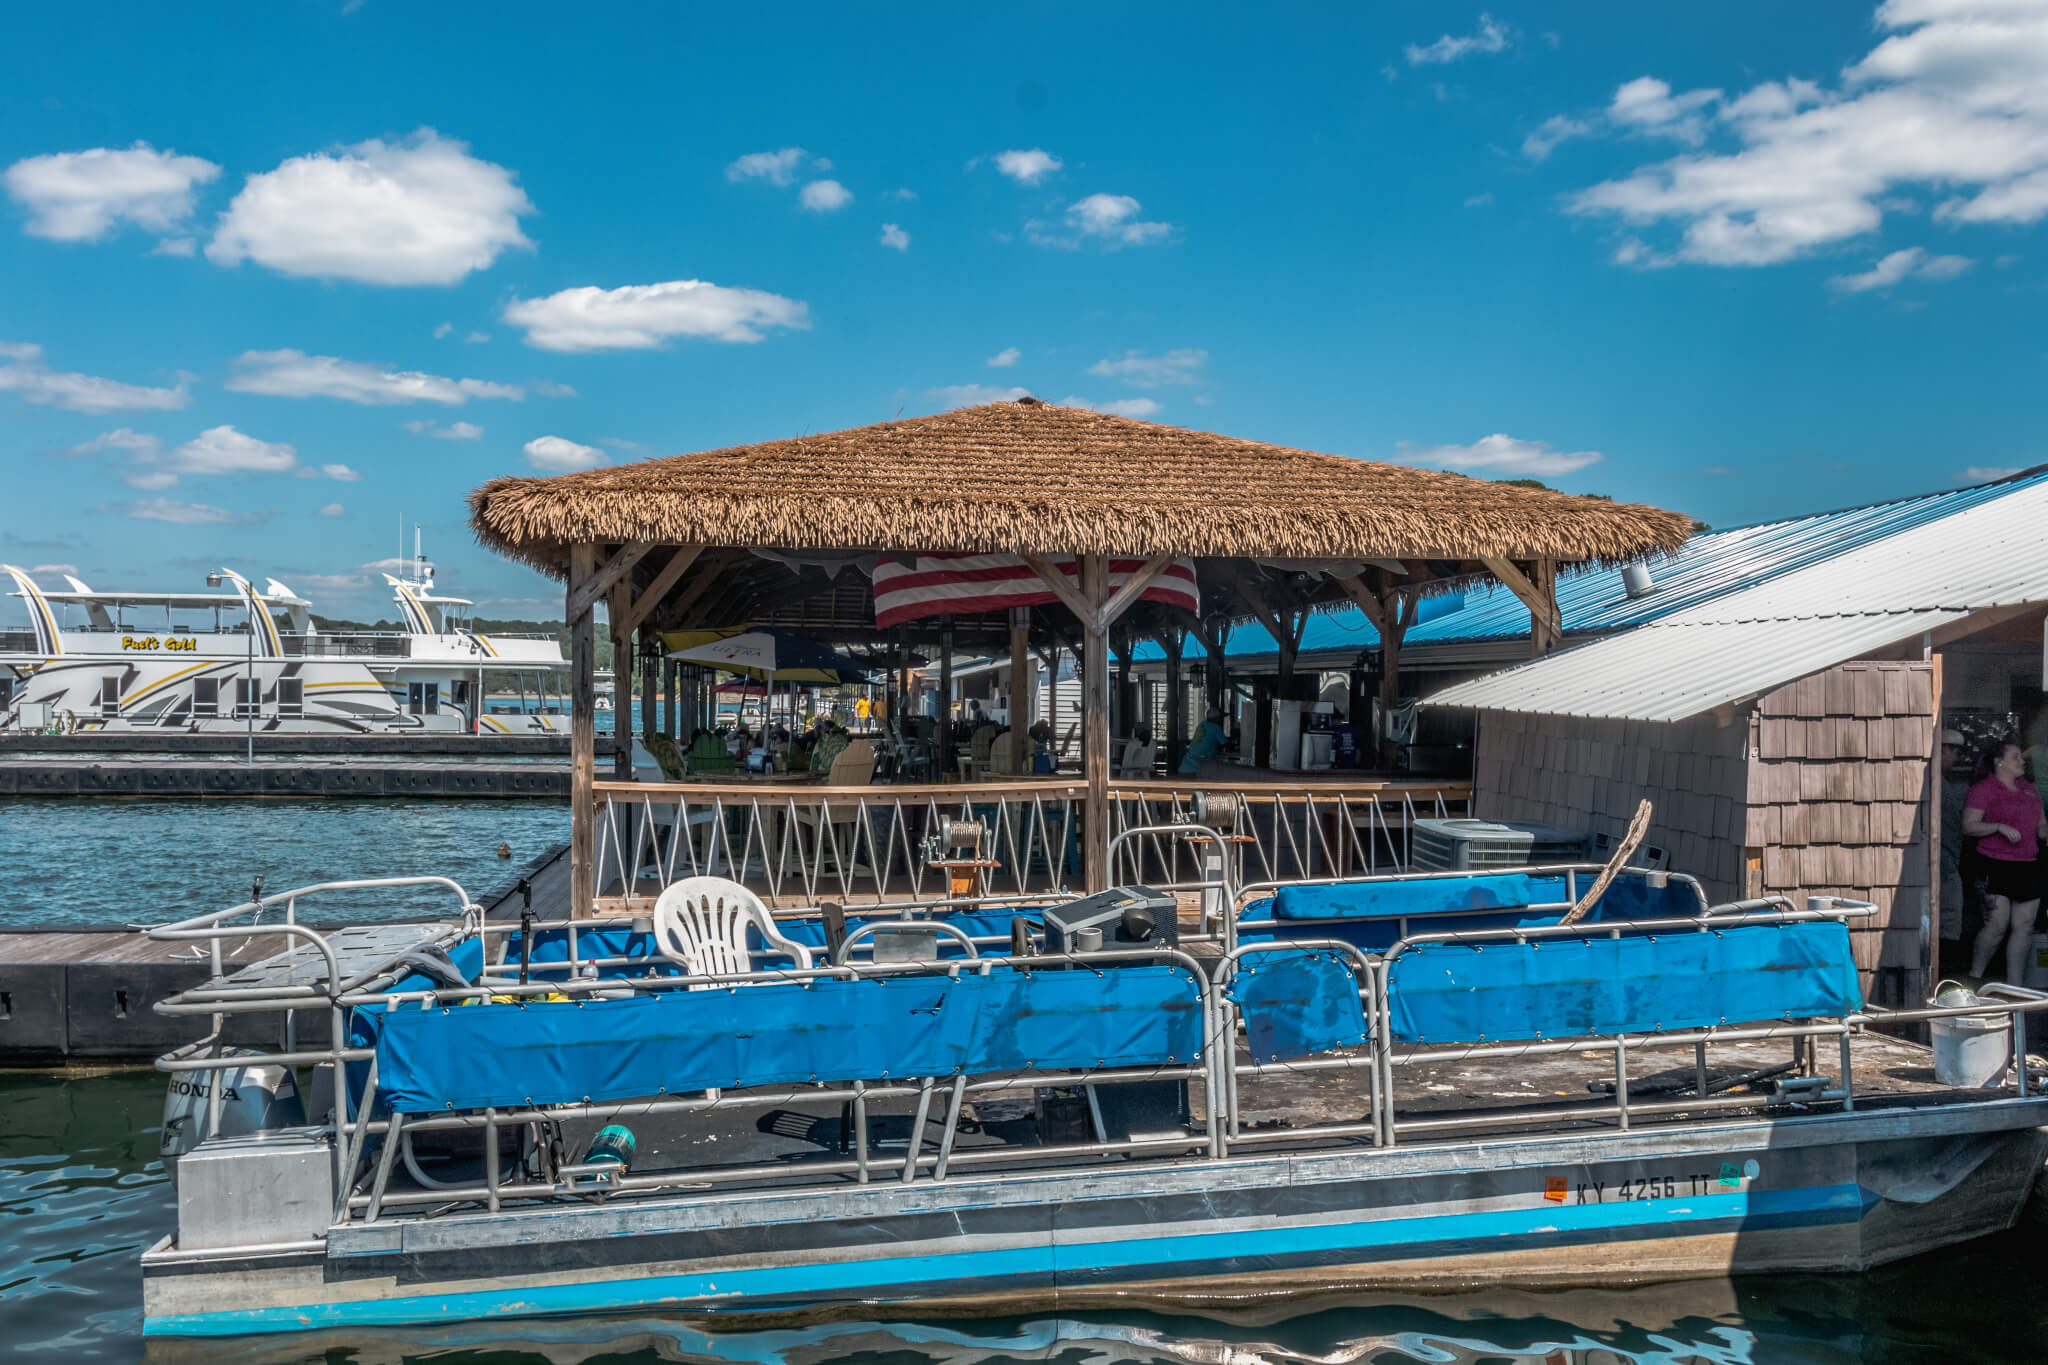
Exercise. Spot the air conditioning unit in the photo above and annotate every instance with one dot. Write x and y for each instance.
(1459, 845)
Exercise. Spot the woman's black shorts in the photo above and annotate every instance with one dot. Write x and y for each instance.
(2017, 882)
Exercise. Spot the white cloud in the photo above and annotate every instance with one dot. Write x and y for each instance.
(1179, 366)
(223, 450)
(777, 168)
(548, 388)
(341, 473)
(974, 395)
(53, 568)
(556, 454)
(332, 509)
(824, 196)
(175, 246)
(454, 431)
(420, 210)
(1027, 167)
(1500, 454)
(142, 446)
(1953, 101)
(181, 513)
(1119, 407)
(644, 316)
(476, 338)
(1647, 105)
(83, 196)
(1492, 37)
(294, 374)
(443, 330)
(1480, 201)
(1111, 219)
(1985, 473)
(1911, 262)
(895, 237)
(1005, 358)
(901, 193)
(149, 480)
(1549, 133)
(25, 373)
(621, 443)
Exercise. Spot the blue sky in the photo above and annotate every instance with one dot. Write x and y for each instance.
(274, 278)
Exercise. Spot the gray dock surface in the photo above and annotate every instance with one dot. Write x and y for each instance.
(201, 779)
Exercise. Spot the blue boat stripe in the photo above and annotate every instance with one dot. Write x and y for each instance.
(1767, 1208)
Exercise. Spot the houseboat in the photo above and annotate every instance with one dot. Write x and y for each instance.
(236, 658)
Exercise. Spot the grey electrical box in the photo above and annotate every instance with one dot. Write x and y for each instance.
(256, 1190)
(1125, 916)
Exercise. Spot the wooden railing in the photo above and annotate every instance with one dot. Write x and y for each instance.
(800, 845)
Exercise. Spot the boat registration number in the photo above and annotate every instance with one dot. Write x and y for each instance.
(1560, 1190)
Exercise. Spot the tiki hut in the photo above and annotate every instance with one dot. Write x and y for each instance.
(765, 534)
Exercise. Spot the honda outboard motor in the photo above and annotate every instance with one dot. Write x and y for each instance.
(253, 1097)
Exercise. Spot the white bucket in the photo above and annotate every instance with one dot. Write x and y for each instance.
(1971, 1049)
(2037, 964)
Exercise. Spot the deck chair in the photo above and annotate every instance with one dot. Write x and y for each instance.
(701, 923)
(1136, 763)
(1002, 754)
(855, 767)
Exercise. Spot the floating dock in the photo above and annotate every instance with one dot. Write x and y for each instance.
(85, 995)
(199, 779)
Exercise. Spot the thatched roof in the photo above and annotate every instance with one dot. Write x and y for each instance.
(1029, 477)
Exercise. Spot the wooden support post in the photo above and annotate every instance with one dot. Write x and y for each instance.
(582, 734)
(622, 685)
(1095, 718)
(1021, 667)
(1538, 590)
(1391, 612)
(1174, 643)
(942, 760)
(649, 727)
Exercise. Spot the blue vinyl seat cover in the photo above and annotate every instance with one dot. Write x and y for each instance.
(1502, 992)
(1368, 915)
(365, 1022)
(1296, 1003)
(679, 1042)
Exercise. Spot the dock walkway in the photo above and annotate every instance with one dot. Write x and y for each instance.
(203, 779)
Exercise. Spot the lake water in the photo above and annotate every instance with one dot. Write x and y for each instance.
(81, 1195)
(73, 864)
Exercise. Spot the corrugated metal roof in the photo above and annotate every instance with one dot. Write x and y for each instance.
(1989, 552)
(1712, 564)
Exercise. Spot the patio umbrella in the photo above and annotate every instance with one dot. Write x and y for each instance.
(768, 654)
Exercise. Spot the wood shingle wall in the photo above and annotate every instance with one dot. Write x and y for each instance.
(1838, 805)
(1589, 774)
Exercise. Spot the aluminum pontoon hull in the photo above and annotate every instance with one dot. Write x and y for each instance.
(1840, 1192)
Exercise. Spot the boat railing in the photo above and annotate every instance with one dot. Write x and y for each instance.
(1255, 1011)
(374, 644)
(860, 845)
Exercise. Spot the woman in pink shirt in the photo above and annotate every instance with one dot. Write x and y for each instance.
(2003, 813)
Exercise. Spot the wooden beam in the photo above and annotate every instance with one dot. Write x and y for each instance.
(1095, 721)
(587, 592)
(1127, 596)
(707, 574)
(582, 734)
(1063, 588)
(1538, 591)
(650, 597)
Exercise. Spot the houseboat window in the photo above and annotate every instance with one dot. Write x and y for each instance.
(248, 698)
(458, 693)
(291, 697)
(423, 698)
(205, 697)
(110, 696)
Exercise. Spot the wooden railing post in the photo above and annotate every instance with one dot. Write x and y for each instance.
(1095, 720)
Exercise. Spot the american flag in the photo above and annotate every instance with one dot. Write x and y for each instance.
(947, 585)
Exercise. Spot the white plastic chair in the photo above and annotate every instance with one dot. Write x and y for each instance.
(700, 924)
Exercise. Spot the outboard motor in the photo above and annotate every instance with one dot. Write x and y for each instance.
(254, 1097)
